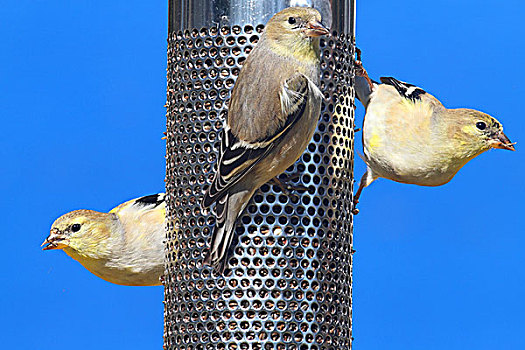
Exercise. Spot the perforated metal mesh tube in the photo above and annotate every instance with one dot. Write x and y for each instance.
(289, 282)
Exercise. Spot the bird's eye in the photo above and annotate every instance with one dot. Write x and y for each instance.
(75, 227)
(292, 20)
(481, 125)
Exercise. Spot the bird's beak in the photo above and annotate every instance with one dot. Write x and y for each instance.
(55, 240)
(315, 29)
(502, 141)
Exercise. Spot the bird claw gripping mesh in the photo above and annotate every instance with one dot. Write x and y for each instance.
(289, 279)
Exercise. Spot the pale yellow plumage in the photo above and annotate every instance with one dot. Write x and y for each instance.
(410, 137)
(124, 246)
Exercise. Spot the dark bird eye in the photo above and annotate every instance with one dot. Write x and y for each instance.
(75, 227)
(292, 20)
(481, 125)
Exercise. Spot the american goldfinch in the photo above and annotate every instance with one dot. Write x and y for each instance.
(410, 137)
(124, 246)
(272, 115)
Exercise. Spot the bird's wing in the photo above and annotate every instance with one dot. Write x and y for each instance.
(143, 222)
(238, 157)
(406, 90)
(143, 203)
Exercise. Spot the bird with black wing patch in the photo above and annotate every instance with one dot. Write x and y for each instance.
(124, 246)
(410, 137)
(272, 115)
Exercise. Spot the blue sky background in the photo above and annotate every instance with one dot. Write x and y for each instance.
(82, 91)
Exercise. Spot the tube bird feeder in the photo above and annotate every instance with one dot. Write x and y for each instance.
(288, 284)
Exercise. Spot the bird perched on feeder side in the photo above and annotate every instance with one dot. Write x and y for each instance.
(410, 137)
(272, 115)
(124, 246)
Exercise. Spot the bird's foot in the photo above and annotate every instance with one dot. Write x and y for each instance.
(287, 179)
(355, 211)
(358, 53)
(286, 187)
(360, 70)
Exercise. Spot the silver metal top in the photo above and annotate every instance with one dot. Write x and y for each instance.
(186, 14)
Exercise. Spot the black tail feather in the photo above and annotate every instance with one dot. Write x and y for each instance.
(221, 239)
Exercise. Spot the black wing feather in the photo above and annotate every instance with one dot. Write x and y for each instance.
(406, 90)
(225, 176)
(235, 155)
(153, 199)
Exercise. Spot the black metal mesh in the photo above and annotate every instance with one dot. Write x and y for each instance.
(289, 282)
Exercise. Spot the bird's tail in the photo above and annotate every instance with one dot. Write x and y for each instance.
(227, 209)
(362, 90)
(364, 86)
